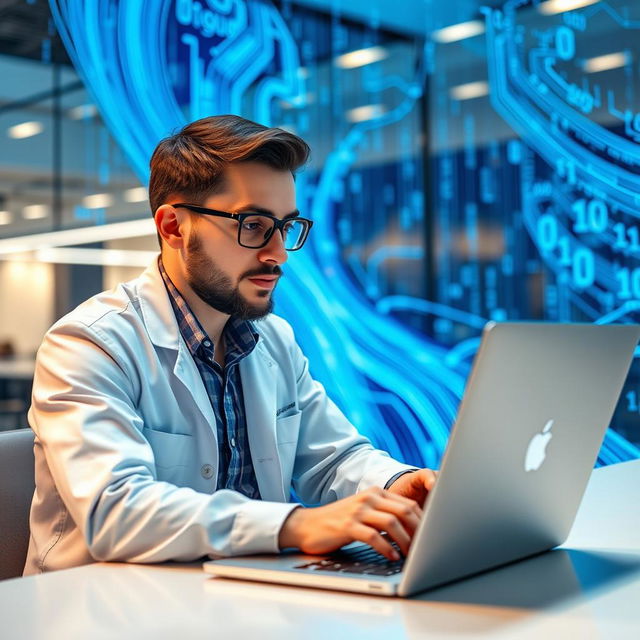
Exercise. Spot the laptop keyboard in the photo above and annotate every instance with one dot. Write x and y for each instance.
(360, 560)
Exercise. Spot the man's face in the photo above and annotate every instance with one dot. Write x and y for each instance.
(230, 278)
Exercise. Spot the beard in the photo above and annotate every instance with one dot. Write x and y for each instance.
(214, 287)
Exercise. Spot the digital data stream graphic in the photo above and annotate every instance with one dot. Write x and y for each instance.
(558, 190)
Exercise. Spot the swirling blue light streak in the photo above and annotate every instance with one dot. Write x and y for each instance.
(393, 353)
(464, 350)
(128, 81)
(420, 305)
(381, 255)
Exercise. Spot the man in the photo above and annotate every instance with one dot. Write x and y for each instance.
(174, 414)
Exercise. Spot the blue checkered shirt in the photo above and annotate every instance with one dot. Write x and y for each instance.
(224, 387)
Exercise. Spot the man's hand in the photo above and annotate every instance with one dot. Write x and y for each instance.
(414, 485)
(361, 517)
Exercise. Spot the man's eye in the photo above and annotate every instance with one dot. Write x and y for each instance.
(254, 224)
(251, 226)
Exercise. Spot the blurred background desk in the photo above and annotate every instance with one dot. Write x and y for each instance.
(16, 378)
(588, 589)
(18, 368)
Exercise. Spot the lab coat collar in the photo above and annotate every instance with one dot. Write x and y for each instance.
(156, 309)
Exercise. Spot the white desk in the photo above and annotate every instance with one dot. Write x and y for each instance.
(590, 590)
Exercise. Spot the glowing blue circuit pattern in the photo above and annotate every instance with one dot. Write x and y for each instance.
(582, 122)
(388, 302)
(555, 210)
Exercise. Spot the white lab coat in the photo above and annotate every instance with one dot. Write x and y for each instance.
(126, 449)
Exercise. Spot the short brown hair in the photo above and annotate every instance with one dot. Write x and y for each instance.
(191, 163)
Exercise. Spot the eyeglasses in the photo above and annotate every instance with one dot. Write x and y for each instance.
(255, 229)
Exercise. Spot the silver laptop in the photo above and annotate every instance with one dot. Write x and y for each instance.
(531, 423)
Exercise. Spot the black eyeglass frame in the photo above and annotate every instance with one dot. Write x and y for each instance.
(240, 217)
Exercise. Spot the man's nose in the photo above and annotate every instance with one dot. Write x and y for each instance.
(274, 250)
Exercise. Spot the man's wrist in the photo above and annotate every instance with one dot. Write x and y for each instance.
(287, 537)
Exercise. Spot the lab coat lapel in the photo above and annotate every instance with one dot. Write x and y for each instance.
(186, 370)
(259, 373)
(162, 326)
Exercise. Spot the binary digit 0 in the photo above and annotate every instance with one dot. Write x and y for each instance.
(565, 43)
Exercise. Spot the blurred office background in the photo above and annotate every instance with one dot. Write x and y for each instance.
(472, 161)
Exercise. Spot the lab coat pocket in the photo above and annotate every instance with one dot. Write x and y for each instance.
(173, 452)
(287, 439)
(287, 428)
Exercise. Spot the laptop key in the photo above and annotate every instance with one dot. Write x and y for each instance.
(360, 561)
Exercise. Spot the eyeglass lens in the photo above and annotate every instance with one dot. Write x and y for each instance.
(256, 230)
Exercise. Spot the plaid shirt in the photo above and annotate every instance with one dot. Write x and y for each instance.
(224, 387)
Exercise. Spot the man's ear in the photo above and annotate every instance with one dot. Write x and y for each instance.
(171, 226)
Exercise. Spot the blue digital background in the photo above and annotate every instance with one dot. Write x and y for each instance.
(433, 214)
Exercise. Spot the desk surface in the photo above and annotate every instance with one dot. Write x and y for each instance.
(588, 589)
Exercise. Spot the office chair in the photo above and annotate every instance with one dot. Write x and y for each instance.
(16, 490)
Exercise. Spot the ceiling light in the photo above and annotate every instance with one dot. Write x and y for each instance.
(83, 111)
(361, 57)
(102, 257)
(136, 194)
(25, 130)
(470, 90)
(82, 235)
(459, 31)
(35, 211)
(552, 7)
(606, 62)
(97, 201)
(5, 217)
(366, 112)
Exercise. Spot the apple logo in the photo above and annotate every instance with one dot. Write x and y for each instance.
(536, 449)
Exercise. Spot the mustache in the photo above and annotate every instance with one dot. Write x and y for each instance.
(263, 271)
